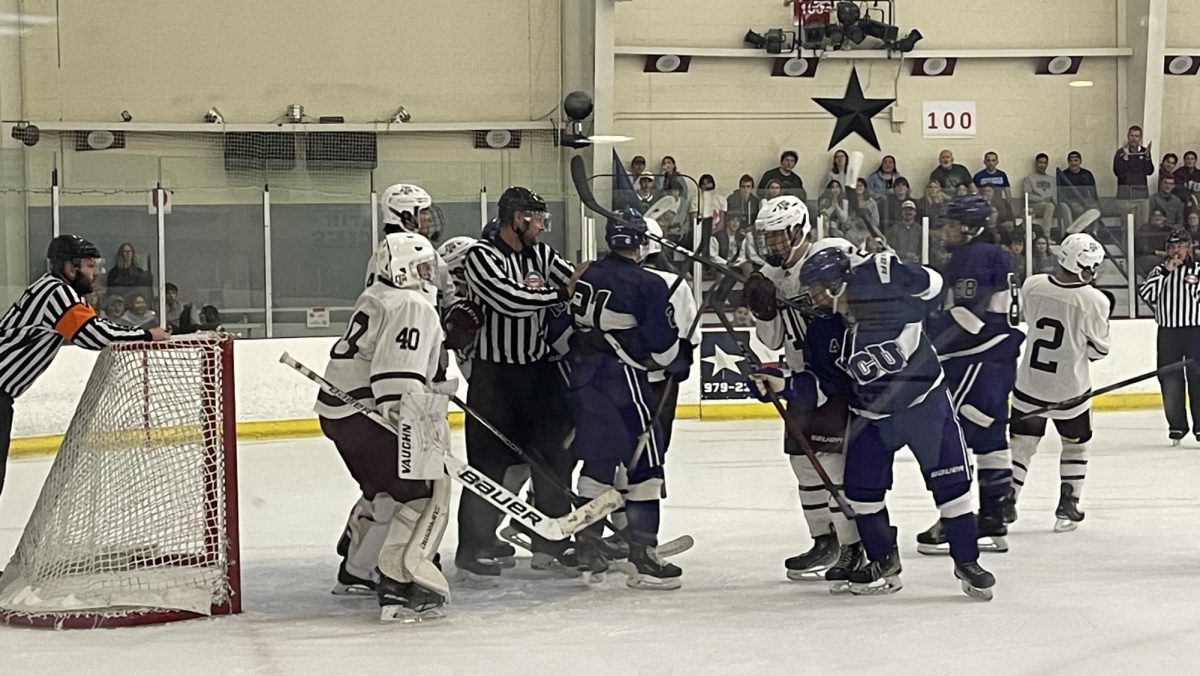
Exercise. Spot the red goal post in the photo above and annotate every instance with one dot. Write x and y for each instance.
(137, 521)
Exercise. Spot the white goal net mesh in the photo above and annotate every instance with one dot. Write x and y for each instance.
(138, 512)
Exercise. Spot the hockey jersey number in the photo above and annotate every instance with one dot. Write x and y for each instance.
(347, 347)
(875, 361)
(409, 338)
(587, 305)
(1052, 343)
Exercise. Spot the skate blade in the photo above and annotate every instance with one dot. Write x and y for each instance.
(1065, 525)
(993, 543)
(403, 615)
(545, 563)
(839, 587)
(934, 550)
(465, 578)
(976, 592)
(592, 578)
(635, 580)
(810, 575)
(516, 538)
(505, 561)
(1175, 443)
(890, 585)
(352, 590)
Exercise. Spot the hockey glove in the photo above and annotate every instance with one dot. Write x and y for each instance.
(758, 293)
(462, 321)
(799, 390)
(679, 369)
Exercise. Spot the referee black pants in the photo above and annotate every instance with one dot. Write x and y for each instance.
(528, 404)
(6, 419)
(1175, 344)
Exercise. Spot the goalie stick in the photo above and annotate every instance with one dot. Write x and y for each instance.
(550, 528)
(579, 178)
(1075, 401)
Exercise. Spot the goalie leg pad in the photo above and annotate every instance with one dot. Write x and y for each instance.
(423, 435)
(413, 537)
(368, 525)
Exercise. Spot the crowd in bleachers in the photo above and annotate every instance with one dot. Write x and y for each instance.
(126, 294)
(884, 200)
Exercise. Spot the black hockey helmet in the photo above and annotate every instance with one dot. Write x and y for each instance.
(71, 248)
(1179, 236)
(517, 199)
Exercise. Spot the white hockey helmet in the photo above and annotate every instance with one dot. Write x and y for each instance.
(454, 254)
(406, 260)
(401, 199)
(1081, 254)
(841, 243)
(651, 246)
(782, 221)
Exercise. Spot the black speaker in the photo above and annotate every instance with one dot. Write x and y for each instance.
(259, 151)
(340, 150)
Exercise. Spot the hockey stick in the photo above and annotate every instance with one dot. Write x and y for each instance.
(792, 428)
(1075, 401)
(550, 528)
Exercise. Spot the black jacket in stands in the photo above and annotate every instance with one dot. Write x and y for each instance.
(1174, 295)
(46, 315)
(514, 289)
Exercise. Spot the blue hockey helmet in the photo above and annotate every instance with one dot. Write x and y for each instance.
(627, 233)
(971, 212)
(829, 268)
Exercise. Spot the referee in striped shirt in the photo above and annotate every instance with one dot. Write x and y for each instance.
(516, 280)
(50, 312)
(1173, 289)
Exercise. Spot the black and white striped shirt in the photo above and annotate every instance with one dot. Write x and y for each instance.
(514, 289)
(1174, 295)
(47, 314)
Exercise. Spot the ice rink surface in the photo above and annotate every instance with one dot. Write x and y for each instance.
(1121, 595)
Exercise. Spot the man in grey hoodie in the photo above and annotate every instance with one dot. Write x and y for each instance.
(1042, 190)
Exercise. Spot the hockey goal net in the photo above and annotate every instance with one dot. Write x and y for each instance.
(137, 520)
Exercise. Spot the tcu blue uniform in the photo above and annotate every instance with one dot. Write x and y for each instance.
(979, 348)
(624, 327)
(899, 400)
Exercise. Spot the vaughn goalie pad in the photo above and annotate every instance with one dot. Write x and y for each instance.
(423, 434)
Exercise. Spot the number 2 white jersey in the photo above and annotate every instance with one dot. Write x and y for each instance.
(391, 346)
(1068, 327)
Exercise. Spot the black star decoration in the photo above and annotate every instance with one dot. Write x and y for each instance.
(854, 113)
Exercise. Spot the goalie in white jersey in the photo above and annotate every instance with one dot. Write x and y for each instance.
(388, 359)
(1068, 327)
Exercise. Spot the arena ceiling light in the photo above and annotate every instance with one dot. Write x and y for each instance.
(933, 67)
(1059, 65)
(1181, 65)
(795, 67)
(666, 63)
(609, 138)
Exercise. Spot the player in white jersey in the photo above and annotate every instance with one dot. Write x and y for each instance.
(782, 229)
(388, 359)
(1068, 327)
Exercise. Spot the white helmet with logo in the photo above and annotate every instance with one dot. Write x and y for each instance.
(406, 260)
(401, 199)
(785, 214)
(1080, 253)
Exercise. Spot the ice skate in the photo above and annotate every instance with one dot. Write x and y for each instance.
(590, 557)
(476, 572)
(838, 576)
(1010, 507)
(408, 602)
(502, 553)
(615, 547)
(976, 582)
(933, 542)
(1068, 514)
(645, 569)
(520, 538)
(352, 585)
(992, 530)
(877, 577)
(561, 561)
(811, 564)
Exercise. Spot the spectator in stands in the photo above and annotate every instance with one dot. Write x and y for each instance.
(1076, 188)
(993, 175)
(742, 317)
(668, 175)
(1004, 217)
(1016, 254)
(210, 319)
(1044, 261)
(905, 235)
(948, 174)
(1132, 165)
(774, 189)
(789, 181)
(1187, 177)
(1192, 224)
(637, 167)
(933, 204)
(841, 163)
(1167, 166)
(835, 208)
(1148, 242)
(127, 277)
(889, 204)
(734, 245)
(745, 201)
(139, 315)
(180, 316)
(1042, 191)
(1166, 201)
(880, 182)
(964, 189)
(862, 207)
(114, 311)
(707, 204)
(645, 196)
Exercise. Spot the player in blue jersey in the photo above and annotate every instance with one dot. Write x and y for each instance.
(899, 400)
(624, 328)
(978, 343)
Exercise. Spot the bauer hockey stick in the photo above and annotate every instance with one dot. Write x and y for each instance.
(1075, 401)
(495, 494)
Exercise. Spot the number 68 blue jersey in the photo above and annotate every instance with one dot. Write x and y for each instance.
(886, 352)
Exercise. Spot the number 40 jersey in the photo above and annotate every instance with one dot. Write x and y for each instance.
(1068, 327)
(391, 346)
